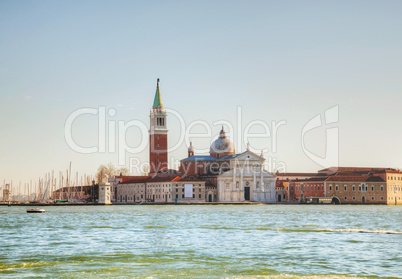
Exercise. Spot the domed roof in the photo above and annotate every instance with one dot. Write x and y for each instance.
(222, 144)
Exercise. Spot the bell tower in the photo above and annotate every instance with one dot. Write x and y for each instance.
(158, 156)
(190, 150)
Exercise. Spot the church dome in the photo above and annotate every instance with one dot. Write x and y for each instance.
(222, 145)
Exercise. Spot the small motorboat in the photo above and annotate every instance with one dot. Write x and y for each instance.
(35, 210)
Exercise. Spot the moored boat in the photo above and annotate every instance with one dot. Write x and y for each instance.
(35, 210)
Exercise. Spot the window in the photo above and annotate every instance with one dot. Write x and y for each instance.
(330, 187)
(199, 196)
(372, 198)
(353, 198)
(353, 188)
(366, 188)
(237, 184)
(346, 198)
(360, 188)
(382, 198)
(177, 196)
(336, 187)
(182, 196)
(345, 188)
(372, 187)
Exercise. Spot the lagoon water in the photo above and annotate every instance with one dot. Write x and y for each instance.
(201, 241)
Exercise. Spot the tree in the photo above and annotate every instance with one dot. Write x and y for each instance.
(110, 170)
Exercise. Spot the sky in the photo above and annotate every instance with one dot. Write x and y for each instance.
(274, 62)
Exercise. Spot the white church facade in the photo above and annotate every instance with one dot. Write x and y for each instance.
(246, 180)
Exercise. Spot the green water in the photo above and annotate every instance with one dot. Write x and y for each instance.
(202, 241)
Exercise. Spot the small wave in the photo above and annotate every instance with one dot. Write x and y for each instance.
(350, 230)
(358, 230)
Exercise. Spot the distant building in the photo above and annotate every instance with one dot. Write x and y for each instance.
(356, 189)
(7, 193)
(392, 177)
(72, 193)
(311, 189)
(163, 189)
(394, 186)
(104, 191)
(285, 187)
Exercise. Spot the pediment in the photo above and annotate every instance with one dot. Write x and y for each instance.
(249, 156)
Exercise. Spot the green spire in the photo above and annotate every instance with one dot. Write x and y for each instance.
(158, 99)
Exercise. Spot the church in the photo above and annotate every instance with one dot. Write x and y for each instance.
(221, 176)
(238, 177)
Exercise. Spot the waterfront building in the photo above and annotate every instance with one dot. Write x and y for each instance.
(283, 182)
(394, 186)
(308, 190)
(392, 177)
(163, 190)
(280, 190)
(104, 191)
(356, 189)
(7, 193)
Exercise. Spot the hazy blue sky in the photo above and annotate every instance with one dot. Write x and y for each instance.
(277, 60)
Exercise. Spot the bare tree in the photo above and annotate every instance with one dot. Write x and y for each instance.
(122, 171)
(108, 169)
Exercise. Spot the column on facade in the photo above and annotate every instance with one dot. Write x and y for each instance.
(261, 178)
(234, 176)
(240, 197)
(254, 180)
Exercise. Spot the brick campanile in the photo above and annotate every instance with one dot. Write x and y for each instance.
(158, 155)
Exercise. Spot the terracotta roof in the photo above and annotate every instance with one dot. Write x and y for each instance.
(355, 178)
(392, 171)
(313, 179)
(355, 169)
(129, 177)
(151, 179)
(140, 179)
(296, 174)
